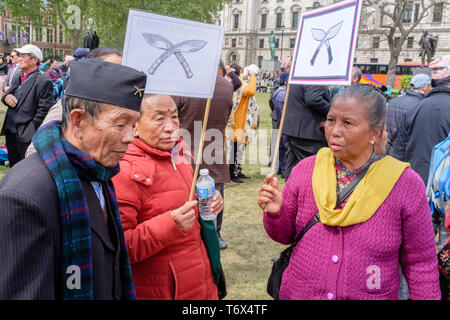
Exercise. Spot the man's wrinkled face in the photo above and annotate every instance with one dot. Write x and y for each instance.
(26, 63)
(107, 137)
(158, 125)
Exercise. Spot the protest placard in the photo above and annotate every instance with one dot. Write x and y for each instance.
(325, 45)
(180, 57)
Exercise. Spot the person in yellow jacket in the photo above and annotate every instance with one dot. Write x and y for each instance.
(243, 123)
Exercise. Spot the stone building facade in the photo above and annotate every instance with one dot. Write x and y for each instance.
(50, 38)
(248, 24)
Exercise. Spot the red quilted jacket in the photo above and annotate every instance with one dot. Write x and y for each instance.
(166, 262)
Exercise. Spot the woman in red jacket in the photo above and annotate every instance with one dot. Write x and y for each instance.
(162, 232)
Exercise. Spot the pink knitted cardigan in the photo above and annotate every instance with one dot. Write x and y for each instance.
(359, 262)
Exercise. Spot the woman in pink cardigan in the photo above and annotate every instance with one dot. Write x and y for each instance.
(355, 250)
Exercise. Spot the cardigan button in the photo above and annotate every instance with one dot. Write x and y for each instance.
(136, 175)
(330, 296)
(148, 179)
(335, 259)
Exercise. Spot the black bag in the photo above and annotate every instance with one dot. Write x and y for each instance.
(280, 264)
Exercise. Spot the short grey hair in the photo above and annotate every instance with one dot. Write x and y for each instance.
(371, 99)
(33, 56)
(69, 103)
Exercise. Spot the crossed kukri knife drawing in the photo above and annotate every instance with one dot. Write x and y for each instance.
(324, 38)
(169, 49)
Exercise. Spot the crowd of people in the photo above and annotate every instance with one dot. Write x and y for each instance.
(95, 205)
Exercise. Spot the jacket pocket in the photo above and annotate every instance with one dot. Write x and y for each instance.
(26, 132)
(174, 292)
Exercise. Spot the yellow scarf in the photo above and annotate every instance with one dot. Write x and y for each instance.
(367, 197)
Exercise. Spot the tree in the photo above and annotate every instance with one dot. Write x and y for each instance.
(110, 16)
(107, 17)
(397, 23)
(72, 16)
(39, 13)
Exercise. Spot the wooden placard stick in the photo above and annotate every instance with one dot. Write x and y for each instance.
(200, 149)
(280, 132)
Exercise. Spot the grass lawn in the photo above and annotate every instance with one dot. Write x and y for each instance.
(246, 261)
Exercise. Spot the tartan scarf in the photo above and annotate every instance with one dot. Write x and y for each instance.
(66, 163)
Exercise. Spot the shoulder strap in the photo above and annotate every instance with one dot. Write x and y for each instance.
(340, 198)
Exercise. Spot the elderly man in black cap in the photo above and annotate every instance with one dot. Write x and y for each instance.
(60, 229)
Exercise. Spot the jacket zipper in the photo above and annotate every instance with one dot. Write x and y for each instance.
(173, 164)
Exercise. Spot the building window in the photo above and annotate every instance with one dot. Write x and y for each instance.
(437, 12)
(50, 34)
(260, 60)
(38, 34)
(236, 21)
(233, 57)
(410, 43)
(376, 42)
(233, 42)
(407, 13)
(291, 42)
(263, 21)
(277, 43)
(279, 20)
(261, 43)
(61, 35)
(416, 12)
(396, 41)
(374, 60)
(48, 52)
(294, 20)
(408, 60)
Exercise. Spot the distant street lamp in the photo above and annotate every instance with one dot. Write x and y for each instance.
(282, 34)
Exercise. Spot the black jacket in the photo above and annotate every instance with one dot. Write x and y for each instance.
(35, 98)
(396, 112)
(30, 237)
(425, 125)
(306, 108)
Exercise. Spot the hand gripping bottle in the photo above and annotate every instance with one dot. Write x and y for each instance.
(205, 192)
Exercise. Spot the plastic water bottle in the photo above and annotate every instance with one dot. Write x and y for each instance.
(205, 192)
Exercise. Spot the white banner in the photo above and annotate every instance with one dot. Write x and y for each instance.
(180, 57)
(325, 45)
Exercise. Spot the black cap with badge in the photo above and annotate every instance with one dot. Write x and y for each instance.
(106, 82)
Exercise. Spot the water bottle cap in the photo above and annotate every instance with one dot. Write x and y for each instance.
(204, 172)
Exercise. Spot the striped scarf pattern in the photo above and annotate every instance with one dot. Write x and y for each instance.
(66, 164)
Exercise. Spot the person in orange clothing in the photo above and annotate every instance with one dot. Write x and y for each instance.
(243, 122)
(162, 232)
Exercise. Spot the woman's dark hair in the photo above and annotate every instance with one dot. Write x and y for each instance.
(236, 67)
(372, 100)
(100, 53)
